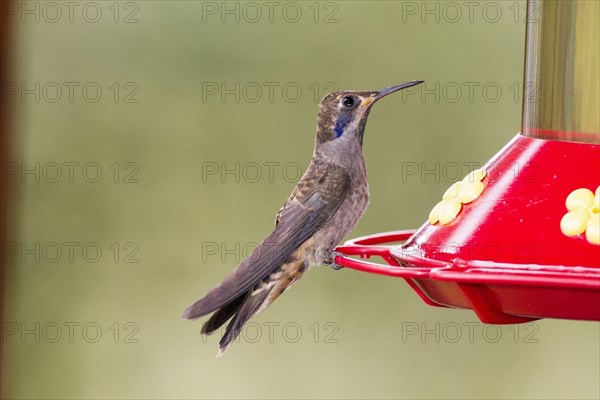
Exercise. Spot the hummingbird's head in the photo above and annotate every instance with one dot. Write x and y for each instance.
(344, 113)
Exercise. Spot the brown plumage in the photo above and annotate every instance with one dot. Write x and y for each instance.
(325, 205)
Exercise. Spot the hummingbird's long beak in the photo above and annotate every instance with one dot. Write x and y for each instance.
(384, 92)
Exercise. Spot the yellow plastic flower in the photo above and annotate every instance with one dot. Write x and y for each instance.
(583, 215)
(459, 193)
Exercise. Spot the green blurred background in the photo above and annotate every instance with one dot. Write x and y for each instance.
(339, 334)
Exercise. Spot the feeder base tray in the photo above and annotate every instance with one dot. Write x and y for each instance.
(498, 293)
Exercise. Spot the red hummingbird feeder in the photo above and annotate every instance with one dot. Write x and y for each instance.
(519, 239)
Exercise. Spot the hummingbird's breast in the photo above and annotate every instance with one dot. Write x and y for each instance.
(343, 221)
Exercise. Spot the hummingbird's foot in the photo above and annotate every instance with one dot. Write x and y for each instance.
(330, 261)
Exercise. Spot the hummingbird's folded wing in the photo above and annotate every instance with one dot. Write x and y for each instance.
(314, 201)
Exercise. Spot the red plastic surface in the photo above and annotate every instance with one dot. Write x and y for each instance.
(517, 217)
(504, 255)
(498, 293)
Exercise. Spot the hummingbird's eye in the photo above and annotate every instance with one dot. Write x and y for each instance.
(348, 101)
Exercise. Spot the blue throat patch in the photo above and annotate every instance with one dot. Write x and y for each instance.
(341, 124)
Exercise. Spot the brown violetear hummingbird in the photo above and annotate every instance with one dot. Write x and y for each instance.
(325, 205)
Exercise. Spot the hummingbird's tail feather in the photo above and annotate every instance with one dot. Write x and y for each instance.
(222, 315)
(262, 296)
(252, 305)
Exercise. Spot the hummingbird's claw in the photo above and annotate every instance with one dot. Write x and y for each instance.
(330, 261)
